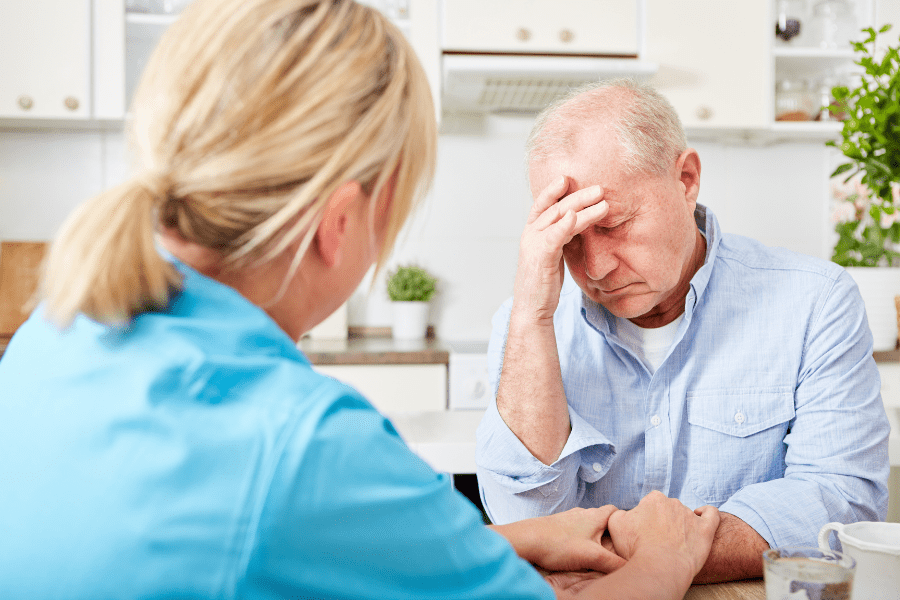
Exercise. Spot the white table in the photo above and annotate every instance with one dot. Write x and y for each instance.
(444, 439)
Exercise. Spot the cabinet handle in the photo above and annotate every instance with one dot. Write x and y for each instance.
(25, 102)
(523, 34)
(566, 36)
(71, 102)
(704, 113)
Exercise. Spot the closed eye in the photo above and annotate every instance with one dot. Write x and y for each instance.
(609, 228)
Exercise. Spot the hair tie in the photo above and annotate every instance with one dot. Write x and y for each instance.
(159, 185)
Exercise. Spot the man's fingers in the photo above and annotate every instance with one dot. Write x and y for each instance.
(562, 232)
(548, 197)
(571, 224)
(590, 215)
(576, 201)
(605, 512)
(710, 514)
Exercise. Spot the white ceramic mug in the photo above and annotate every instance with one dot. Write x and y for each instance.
(876, 548)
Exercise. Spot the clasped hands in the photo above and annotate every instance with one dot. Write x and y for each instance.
(585, 543)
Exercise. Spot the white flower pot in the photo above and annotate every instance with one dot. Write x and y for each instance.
(878, 286)
(410, 320)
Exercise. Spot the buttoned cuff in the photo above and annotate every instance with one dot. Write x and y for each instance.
(587, 454)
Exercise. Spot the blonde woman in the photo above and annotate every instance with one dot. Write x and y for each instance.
(160, 434)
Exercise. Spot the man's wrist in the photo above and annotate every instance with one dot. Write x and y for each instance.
(736, 552)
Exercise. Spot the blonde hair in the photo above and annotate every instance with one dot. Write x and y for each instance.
(249, 115)
(645, 123)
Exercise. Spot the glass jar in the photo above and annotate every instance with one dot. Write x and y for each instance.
(139, 6)
(825, 99)
(832, 25)
(793, 101)
(790, 16)
(170, 7)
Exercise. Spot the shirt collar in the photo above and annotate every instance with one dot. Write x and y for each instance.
(602, 320)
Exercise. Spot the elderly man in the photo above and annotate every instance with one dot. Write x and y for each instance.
(673, 357)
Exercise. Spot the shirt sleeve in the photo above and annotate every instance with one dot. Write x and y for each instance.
(837, 444)
(358, 515)
(514, 484)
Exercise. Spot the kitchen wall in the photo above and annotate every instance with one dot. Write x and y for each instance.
(468, 233)
(468, 230)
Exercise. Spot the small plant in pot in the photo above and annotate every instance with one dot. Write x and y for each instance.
(410, 289)
(867, 187)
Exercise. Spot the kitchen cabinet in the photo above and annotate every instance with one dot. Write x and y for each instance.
(62, 60)
(396, 376)
(532, 26)
(142, 33)
(46, 66)
(721, 71)
(713, 59)
(812, 62)
(396, 388)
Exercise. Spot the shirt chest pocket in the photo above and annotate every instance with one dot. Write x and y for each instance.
(735, 439)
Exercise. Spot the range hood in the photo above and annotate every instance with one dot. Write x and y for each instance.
(486, 56)
(525, 83)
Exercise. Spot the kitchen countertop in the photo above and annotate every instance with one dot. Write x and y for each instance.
(374, 346)
(365, 346)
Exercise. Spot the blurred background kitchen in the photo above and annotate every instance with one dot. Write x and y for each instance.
(748, 78)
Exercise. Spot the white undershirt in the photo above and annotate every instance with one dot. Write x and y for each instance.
(650, 345)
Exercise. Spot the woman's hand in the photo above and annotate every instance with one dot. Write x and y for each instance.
(569, 584)
(567, 541)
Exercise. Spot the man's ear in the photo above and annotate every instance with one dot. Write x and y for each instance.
(688, 172)
(333, 229)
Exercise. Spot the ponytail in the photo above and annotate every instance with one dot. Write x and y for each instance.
(104, 263)
(242, 153)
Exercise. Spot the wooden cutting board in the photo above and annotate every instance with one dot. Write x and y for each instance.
(20, 270)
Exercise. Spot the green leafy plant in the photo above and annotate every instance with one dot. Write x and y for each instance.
(867, 212)
(410, 284)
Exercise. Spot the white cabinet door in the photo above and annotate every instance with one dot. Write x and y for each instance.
(45, 59)
(714, 60)
(541, 26)
(395, 388)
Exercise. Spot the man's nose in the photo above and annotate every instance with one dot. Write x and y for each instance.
(599, 254)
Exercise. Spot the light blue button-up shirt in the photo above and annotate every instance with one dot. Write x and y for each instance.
(197, 454)
(767, 405)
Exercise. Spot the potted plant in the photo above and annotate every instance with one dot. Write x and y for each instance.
(867, 187)
(410, 289)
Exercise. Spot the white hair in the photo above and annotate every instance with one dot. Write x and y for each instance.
(646, 125)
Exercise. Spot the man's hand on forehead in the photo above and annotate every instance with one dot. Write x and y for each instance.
(563, 196)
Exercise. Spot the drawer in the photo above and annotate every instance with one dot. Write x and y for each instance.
(395, 388)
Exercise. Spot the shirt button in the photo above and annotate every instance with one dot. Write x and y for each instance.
(597, 467)
(655, 420)
(739, 418)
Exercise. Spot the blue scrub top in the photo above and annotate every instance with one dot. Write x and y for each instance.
(197, 454)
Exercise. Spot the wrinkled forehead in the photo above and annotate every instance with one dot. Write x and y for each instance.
(592, 161)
